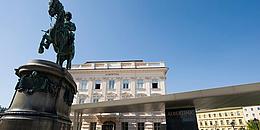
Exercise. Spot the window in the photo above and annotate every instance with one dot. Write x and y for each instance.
(81, 100)
(125, 84)
(233, 122)
(111, 84)
(83, 85)
(221, 122)
(258, 108)
(201, 123)
(156, 126)
(209, 115)
(226, 114)
(206, 123)
(216, 123)
(214, 115)
(219, 114)
(95, 100)
(227, 121)
(253, 114)
(140, 83)
(155, 84)
(93, 125)
(238, 113)
(232, 114)
(124, 126)
(252, 109)
(210, 122)
(246, 115)
(240, 121)
(140, 126)
(245, 109)
(97, 84)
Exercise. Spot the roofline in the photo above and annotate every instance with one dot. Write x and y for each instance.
(101, 61)
(122, 68)
(219, 109)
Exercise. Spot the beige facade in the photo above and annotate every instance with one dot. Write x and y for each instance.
(221, 119)
(104, 81)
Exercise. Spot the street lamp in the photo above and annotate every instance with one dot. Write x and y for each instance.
(233, 125)
(256, 122)
(215, 126)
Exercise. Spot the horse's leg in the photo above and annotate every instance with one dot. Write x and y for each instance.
(41, 49)
(62, 60)
(70, 56)
(68, 64)
(48, 42)
(58, 59)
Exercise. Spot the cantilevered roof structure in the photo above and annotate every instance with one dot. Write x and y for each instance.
(231, 96)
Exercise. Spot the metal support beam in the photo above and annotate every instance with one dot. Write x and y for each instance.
(76, 121)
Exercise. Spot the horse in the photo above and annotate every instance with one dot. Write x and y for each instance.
(58, 35)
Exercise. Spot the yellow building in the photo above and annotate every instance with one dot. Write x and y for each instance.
(221, 119)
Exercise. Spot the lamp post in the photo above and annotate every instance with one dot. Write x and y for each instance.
(233, 125)
(256, 122)
(216, 126)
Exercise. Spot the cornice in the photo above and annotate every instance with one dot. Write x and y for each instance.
(160, 69)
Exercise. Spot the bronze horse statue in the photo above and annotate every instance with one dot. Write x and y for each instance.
(60, 35)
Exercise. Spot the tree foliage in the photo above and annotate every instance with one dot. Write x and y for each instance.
(251, 125)
(2, 109)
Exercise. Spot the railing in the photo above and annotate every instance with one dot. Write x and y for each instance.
(118, 65)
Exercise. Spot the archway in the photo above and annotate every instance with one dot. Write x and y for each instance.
(109, 125)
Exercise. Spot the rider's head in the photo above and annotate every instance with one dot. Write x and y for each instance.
(68, 16)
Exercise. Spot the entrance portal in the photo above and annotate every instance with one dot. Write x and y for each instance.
(109, 125)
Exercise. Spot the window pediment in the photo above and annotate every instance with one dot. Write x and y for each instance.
(97, 94)
(111, 95)
(125, 94)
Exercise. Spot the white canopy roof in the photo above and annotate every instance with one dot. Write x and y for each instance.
(232, 96)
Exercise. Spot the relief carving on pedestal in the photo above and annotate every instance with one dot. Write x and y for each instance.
(68, 96)
(36, 82)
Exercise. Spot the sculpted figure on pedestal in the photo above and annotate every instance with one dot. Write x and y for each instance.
(61, 35)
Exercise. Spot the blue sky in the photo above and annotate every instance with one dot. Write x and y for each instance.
(205, 43)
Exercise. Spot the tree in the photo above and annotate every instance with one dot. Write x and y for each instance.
(251, 125)
(2, 109)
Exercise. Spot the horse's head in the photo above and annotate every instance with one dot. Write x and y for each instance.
(55, 7)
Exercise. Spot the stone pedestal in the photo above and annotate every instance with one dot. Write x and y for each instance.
(42, 100)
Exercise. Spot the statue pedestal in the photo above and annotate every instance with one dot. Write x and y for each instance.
(42, 99)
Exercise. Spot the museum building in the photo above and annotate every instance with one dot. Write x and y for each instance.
(106, 81)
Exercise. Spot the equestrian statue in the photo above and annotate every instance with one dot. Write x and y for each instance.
(61, 35)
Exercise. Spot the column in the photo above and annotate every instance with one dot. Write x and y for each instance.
(133, 86)
(118, 88)
(104, 88)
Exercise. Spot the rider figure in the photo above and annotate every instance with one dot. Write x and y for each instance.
(70, 26)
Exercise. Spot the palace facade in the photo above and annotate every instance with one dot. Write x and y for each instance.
(105, 81)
